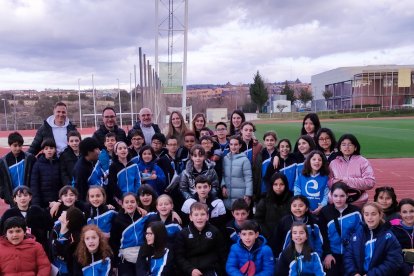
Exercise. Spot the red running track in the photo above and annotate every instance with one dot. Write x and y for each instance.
(388, 172)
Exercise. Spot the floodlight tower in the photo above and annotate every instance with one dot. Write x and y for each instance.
(171, 46)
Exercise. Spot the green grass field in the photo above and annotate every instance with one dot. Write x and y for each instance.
(378, 138)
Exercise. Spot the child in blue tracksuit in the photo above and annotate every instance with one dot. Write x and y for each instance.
(269, 151)
(250, 255)
(87, 170)
(97, 212)
(15, 168)
(127, 235)
(299, 212)
(93, 254)
(298, 258)
(284, 162)
(151, 173)
(312, 181)
(124, 176)
(155, 257)
(338, 221)
(373, 249)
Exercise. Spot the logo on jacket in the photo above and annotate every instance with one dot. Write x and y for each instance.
(312, 184)
(209, 235)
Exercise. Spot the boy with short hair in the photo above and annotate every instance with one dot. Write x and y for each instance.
(221, 134)
(20, 255)
(15, 168)
(69, 157)
(199, 247)
(105, 157)
(87, 170)
(45, 179)
(216, 209)
(240, 211)
(137, 142)
(250, 255)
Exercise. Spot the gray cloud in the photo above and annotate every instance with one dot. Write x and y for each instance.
(228, 40)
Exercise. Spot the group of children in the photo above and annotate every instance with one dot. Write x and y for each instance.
(225, 205)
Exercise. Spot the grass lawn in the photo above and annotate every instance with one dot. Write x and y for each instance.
(378, 138)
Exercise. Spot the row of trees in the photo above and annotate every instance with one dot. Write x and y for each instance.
(259, 94)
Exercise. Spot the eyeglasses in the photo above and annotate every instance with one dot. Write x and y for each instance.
(206, 142)
(324, 139)
(149, 234)
(109, 117)
(347, 145)
(156, 143)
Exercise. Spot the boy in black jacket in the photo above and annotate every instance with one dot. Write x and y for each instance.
(15, 168)
(200, 247)
(86, 173)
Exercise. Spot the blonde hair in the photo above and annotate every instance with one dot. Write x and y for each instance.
(164, 196)
(376, 206)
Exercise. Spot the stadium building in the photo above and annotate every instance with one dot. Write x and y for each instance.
(385, 86)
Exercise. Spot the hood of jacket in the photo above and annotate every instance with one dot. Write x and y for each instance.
(25, 244)
(51, 122)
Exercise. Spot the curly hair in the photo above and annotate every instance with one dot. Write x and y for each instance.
(82, 253)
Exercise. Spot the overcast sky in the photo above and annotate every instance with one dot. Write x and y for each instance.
(53, 43)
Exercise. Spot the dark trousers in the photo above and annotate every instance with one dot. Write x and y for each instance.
(337, 269)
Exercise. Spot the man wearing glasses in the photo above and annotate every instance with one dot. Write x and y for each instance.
(109, 125)
(146, 125)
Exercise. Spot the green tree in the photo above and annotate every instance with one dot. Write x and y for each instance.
(289, 92)
(258, 91)
(327, 94)
(305, 96)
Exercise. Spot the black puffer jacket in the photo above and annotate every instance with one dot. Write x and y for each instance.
(99, 135)
(45, 131)
(271, 209)
(67, 162)
(45, 181)
(203, 250)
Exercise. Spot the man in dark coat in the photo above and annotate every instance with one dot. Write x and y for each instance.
(146, 125)
(56, 127)
(109, 125)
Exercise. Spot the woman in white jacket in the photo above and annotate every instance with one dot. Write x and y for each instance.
(237, 175)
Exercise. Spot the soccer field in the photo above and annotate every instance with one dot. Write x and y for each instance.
(378, 138)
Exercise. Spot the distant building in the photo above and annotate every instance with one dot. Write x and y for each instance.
(366, 86)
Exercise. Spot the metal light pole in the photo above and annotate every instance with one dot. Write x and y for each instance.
(80, 106)
(15, 113)
(5, 113)
(132, 109)
(94, 103)
(119, 99)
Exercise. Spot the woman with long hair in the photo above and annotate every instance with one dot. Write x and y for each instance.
(177, 127)
(236, 119)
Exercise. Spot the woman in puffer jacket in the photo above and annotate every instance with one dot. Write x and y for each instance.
(352, 169)
(237, 175)
(197, 165)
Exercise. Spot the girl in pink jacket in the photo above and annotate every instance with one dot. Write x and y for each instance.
(353, 169)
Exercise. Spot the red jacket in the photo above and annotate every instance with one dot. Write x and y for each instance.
(25, 259)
